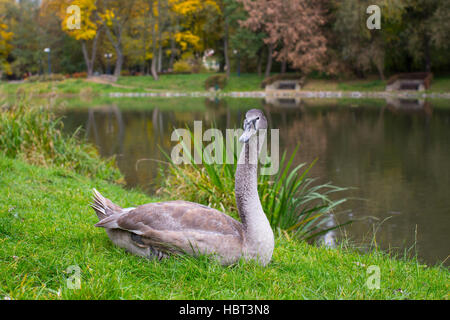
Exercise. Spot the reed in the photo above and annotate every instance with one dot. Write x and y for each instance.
(33, 133)
(291, 199)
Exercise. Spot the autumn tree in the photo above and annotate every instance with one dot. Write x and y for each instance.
(249, 44)
(154, 14)
(147, 33)
(360, 48)
(88, 30)
(427, 30)
(5, 44)
(197, 26)
(30, 35)
(293, 28)
(115, 15)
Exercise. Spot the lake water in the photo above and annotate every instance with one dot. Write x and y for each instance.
(396, 154)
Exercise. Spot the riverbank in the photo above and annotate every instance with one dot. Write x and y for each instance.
(47, 231)
(46, 226)
(194, 83)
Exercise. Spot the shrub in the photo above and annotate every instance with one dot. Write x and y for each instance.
(198, 67)
(46, 77)
(77, 75)
(291, 200)
(216, 81)
(182, 66)
(282, 76)
(33, 133)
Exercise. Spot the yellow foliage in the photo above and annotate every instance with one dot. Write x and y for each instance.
(186, 38)
(108, 16)
(5, 46)
(193, 15)
(88, 26)
(5, 35)
(149, 56)
(189, 7)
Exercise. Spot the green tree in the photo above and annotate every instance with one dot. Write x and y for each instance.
(362, 49)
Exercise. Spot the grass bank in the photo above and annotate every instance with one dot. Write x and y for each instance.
(195, 83)
(32, 132)
(46, 226)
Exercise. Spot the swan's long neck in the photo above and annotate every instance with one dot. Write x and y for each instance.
(258, 233)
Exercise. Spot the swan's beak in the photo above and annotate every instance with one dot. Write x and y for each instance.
(249, 131)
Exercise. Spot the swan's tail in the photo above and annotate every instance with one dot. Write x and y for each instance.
(104, 207)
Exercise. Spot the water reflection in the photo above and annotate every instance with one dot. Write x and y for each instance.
(294, 102)
(396, 155)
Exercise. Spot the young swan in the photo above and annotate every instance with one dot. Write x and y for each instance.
(157, 230)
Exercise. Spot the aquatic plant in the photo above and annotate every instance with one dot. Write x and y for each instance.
(32, 132)
(292, 200)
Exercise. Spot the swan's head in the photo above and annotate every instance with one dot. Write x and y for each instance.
(254, 121)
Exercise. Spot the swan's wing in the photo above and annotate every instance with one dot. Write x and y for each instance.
(177, 224)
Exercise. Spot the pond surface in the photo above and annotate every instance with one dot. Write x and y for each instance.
(396, 155)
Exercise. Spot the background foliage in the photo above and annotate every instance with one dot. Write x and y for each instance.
(263, 36)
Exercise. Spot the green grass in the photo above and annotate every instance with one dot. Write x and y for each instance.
(440, 84)
(65, 87)
(245, 82)
(46, 226)
(192, 82)
(133, 103)
(363, 85)
(175, 82)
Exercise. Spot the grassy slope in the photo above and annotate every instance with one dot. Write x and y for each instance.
(347, 85)
(441, 84)
(195, 83)
(192, 82)
(46, 226)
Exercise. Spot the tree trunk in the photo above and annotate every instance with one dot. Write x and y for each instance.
(90, 60)
(160, 56)
(172, 52)
(87, 61)
(153, 70)
(283, 66)
(159, 36)
(153, 66)
(427, 53)
(225, 49)
(118, 48)
(380, 71)
(144, 47)
(269, 60)
(119, 62)
(259, 63)
(154, 46)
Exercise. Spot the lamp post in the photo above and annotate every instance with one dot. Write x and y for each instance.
(49, 62)
(107, 56)
(236, 52)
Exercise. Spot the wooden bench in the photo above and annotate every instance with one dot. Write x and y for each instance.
(418, 81)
